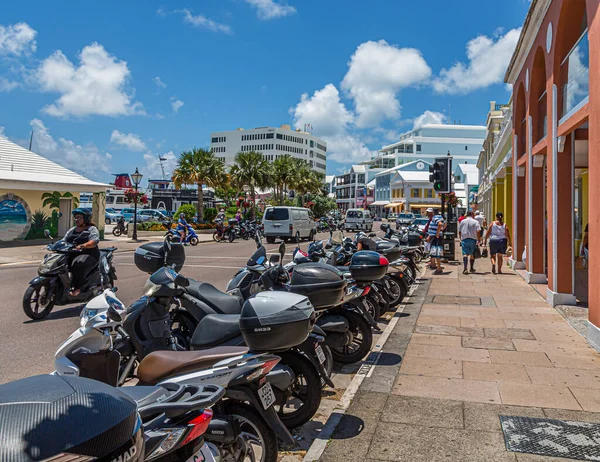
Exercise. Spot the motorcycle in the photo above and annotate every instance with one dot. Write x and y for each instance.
(105, 350)
(174, 235)
(120, 228)
(52, 286)
(224, 233)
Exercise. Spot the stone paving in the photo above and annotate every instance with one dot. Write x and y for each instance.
(472, 347)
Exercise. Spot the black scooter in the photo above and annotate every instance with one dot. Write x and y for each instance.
(53, 283)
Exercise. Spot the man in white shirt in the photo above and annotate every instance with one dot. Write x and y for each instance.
(469, 232)
(480, 219)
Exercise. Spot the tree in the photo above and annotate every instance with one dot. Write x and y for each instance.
(252, 170)
(284, 176)
(52, 199)
(199, 167)
(306, 181)
(188, 210)
(227, 193)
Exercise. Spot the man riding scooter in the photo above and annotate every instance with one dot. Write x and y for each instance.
(86, 237)
(182, 228)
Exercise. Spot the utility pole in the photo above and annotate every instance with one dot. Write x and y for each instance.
(30, 140)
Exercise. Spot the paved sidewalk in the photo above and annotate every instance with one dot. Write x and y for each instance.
(473, 347)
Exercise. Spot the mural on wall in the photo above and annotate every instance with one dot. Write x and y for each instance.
(17, 222)
(15, 217)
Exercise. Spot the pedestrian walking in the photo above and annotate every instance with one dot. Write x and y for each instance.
(469, 233)
(436, 240)
(499, 239)
(429, 212)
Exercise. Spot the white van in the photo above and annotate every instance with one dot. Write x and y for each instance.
(358, 220)
(288, 222)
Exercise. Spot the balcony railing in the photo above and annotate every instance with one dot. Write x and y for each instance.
(506, 122)
(574, 71)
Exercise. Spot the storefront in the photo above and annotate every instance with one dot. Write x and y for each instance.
(556, 125)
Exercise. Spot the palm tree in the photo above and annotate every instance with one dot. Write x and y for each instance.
(252, 170)
(52, 199)
(284, 175)
(199, 167)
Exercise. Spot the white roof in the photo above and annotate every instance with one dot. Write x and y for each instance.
(329, 178)
(23, 169)
(414, 176)
(371, 184)
(401, 166)
(359, 168)
(471, 171)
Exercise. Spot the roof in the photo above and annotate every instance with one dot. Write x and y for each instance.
(23, 169)
(371, 184)
(359, 168)
(401, 166)
(329, 178)
(471, 171)
(414, 176)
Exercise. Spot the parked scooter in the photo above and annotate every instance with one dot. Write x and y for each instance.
(53, 283)
(120, 227)
(174, 235)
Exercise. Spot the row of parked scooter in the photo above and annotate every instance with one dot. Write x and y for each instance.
(218, 375)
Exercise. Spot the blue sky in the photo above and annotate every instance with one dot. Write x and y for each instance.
(108, 86)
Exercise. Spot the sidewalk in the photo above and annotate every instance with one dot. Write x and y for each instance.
(21, 254)
(474, 348)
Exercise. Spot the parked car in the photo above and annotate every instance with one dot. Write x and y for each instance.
(112, 216)
(358, 220)
(288, 222)
(128, 214)
(404, 219)
(421, 222)
(392, 217)
(152, 215)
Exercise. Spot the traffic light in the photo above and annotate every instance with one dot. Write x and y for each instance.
(440, 175)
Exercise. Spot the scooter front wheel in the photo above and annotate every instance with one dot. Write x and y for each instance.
(194, 241)
(38, 301)
(116, 231)
(361, 343)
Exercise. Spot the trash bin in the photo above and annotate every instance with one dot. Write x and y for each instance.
(449, 245)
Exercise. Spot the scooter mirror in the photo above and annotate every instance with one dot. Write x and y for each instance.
(372, 235)
(113, 314)
(282, 250)
(181, 281)
(274, 259)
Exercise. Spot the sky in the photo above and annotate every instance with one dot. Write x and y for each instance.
(110, 86)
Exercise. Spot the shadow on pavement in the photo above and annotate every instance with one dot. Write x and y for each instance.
(72, 312)
(389, 359)
(349, 427)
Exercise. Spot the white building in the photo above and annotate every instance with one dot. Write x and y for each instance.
(411, 191)
(272, 143)
(466, 181)
(463, 142)
(355, 187)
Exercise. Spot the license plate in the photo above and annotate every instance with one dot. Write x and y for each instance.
(320, 354)
(203, 455)
(266, 395)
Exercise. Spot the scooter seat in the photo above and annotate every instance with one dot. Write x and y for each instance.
(216, 329)
(219, 301)
(160, 365)
(384, 246)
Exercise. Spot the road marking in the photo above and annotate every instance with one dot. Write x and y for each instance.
(191, 266)
(19, 263)
(366, 370)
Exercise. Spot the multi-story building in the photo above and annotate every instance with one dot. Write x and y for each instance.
(352, 186)
(556, 131)
(411, 189)
(272, 143)
(465, 184)
(495, 164)
(463, 142)
(330, 185)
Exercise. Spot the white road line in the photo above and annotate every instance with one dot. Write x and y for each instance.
(191, 266)
(19, 263)
(320, 443)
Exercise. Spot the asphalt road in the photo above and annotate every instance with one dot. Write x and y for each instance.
(27, 347)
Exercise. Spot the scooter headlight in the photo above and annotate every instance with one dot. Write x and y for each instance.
(150, 288)
(86, 315)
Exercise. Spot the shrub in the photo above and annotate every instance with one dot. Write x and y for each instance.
(209, 214)
(188, 210)
(230, 212)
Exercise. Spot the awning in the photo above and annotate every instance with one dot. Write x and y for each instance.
(394, 204)
(380, 203)
(423, 206)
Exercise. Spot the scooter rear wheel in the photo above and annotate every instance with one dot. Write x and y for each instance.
(254, 431)
(116, 231)
(194, 241)
(38, 301)
(361, 343)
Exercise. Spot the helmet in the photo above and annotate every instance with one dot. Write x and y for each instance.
(182, 215)
(87, 215)
(360, 235)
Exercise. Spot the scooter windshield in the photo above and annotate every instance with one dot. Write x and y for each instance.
(163, 276)
(258, 257)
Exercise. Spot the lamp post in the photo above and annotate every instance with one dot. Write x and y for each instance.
(136, 178)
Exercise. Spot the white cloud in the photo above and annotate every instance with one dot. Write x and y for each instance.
(488, 60)
(159, 83)
(269, 9)
(429, 117)
(2, 134)
(130, 140)
(176, 104)
(87, 160)
(7, 85)
(17, 39)
(331, 121)
(204, 22)
(97, 86)
(323, 111)
(153, 170)
(377, 72)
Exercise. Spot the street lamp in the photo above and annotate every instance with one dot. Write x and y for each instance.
(137, 178)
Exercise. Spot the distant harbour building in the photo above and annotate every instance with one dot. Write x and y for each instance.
(272, 143)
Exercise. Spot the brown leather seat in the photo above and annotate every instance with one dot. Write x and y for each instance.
(160, 365)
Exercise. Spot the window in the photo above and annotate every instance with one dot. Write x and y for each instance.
(269, 136)
(279, 136)
(466, 148)
(401, 148)
(214, 140)
(415, 192)
(418, 148)
(304, 214)
(279, 213)
(409, 148)
(312, 144)
(429, 193)
(120, 199)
